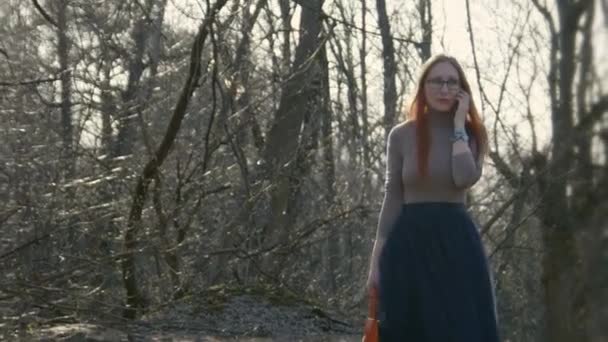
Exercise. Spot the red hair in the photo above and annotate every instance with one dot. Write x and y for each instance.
(418, 113)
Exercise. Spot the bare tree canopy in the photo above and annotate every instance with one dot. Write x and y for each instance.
(201, 163)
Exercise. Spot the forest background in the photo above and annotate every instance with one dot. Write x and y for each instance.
(157, 152)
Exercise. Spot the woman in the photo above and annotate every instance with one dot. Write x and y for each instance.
(428, 263)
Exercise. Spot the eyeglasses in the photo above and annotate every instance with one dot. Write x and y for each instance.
(436, 84)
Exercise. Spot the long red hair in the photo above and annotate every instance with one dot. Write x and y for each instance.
(418, 113)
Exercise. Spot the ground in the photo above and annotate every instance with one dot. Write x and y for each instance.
(218, 314)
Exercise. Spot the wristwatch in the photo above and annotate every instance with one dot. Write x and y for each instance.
(460, 134)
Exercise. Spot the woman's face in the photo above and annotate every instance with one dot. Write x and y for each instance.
(441, 86)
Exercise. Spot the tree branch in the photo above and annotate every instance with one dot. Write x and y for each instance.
(44, 13)
(503, 208)
(503, 168)
(596, 112)
(547, 15)
(30, 82)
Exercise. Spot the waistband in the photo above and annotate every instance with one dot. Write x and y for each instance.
(420, 205)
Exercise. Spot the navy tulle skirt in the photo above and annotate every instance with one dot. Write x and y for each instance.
(435, 283)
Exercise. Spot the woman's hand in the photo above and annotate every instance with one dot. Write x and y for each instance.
(462, 109)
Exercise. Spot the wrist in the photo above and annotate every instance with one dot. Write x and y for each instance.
(459, 129)
(460, 133)
(459, 119)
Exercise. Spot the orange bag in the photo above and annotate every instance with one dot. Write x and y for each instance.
(370, 334)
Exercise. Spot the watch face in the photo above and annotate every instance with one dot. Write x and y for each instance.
(460, 136)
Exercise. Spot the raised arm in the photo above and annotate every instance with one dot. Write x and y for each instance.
(467, 165)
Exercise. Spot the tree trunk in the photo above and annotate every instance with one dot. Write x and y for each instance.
(284, 141)
(346, 63)
(107, 106)
(286, 16)
(134, 299)
(426, 24)
(332, 250)
(125, 139)
(563, 279)
(367, 163)
(63, 52)
(390, 68)
(240, 79)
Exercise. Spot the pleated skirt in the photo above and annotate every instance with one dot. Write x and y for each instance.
(435, 284)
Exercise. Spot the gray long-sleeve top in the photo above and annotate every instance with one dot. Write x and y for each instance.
(448, 177)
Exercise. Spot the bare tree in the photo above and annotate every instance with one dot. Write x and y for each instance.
(332, 250)
(365, 131)
(565, 282)
(425, 12)
(134, 299)
(63, 51)
(390, 67)
(284, 142)
(343, 53)
(60, 24)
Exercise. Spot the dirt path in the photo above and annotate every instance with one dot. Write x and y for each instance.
(90, 333)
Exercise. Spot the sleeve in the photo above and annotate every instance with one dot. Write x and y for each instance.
(393, 197)
(467, 167)
(393, 188)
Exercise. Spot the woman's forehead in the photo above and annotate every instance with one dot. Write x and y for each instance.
(443, 69)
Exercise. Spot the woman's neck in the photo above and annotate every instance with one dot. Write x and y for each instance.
(438, 118)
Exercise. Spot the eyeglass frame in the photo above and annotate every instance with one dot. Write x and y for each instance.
(436, 84)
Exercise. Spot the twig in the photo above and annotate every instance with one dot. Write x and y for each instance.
(44, 13)
(26, 83)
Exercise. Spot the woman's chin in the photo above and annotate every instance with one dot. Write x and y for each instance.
(441, 107)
